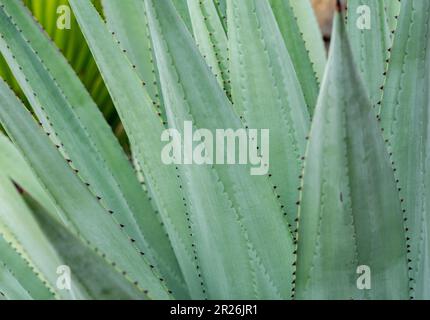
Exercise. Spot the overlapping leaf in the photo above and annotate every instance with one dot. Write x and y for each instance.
(87, 215)
(211, 38)
(350, 214)
(303, 41)
(405, 114)
(231, 225)
(18, 280)
(82, 135)
(268, 95)
(370, 39)
(144, 128)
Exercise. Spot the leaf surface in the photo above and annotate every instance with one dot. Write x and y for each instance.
(350, 214)
(268, 95)
(231, 224)
(405, 115)
(87, 215)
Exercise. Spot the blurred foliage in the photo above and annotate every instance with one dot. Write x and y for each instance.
(72, 44)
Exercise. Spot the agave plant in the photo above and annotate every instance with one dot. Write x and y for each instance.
(346, 189)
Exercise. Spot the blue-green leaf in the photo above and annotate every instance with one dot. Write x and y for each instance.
(350, 216)
(268, 95)
(234, 214)
(405, 115)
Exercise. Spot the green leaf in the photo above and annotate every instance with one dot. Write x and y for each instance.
(267, 94)
(10, 286)
(27, 249)
(370, 40)
(312, 35)
(303, 40)
(20, 231)
(13, 165)
(234, 214)
(350, 213)
(405, 119)
(392, 9)
(127, 20)
(83, 136)
(211, 39)
(100, 278)
(144, 128)
(221, 6)
(94, 222)
(12, 264)
(182, 8)
(71, 42)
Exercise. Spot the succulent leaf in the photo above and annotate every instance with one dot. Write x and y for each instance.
(370, 39)
(211, 39)
(82, 135)
(350, 214)
(144, 128)
(303, 41)
(268, 95)
(94, 222)
(405, 115)
(222, 197)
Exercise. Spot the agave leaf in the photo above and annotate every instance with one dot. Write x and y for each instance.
(225, 269)
(70, 41)
(405, 114)
(13, 264)
(20, 231)
(267, 94)
(211, 39)
(370, 46)
(221, 6)
(392, 9)
(244, 218)
(7, 76)
(83, 136)
(144, 128)
(350, 214)
(87, 265)
(303, 41)
(10, 287)
(13, 165)
(127, 19)
(82, 209)
(311, 34)
(182, 8)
